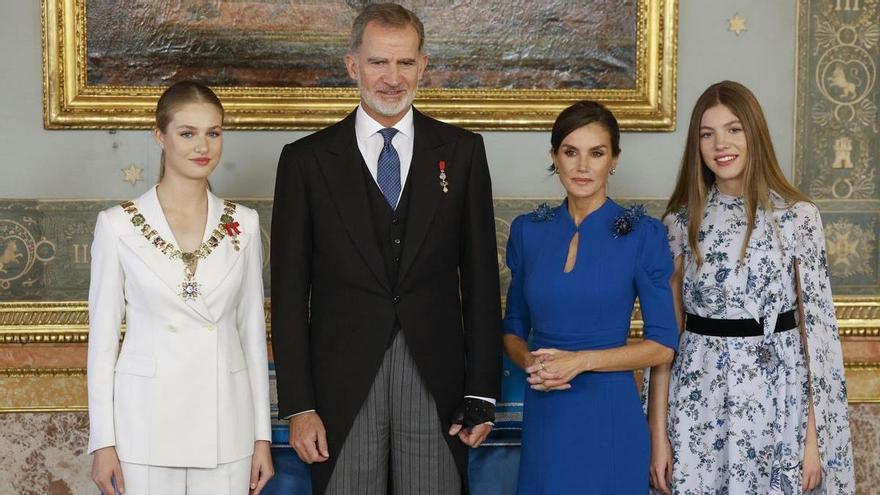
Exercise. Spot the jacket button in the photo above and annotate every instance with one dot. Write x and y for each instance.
(396, 241)
(397, 259)
(396, 299)
(210, 328)
(395, 221)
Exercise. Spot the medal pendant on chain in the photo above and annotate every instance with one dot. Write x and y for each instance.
(190, 290)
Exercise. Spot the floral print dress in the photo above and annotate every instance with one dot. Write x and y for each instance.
(738, 405)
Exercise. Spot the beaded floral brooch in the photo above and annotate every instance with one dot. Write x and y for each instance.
(542, 212)
(624, 223)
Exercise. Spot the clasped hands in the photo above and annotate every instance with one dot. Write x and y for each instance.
(553, 369)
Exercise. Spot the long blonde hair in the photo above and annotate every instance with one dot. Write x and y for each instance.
(762, 172)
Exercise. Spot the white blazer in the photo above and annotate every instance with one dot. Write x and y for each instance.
(190, 386)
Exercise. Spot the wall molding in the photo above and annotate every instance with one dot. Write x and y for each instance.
(59, 322)
(30, 325)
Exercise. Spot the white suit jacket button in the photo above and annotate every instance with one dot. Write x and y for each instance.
(210, 328)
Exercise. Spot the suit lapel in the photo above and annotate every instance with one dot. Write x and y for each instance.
(168, 270)
(342, 165)
(216, 267)
(424, 183)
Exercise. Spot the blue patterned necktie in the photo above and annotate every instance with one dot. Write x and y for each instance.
(388, 173)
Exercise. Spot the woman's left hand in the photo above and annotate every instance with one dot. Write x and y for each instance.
(261, 467)
(812, 467)
(553, 369)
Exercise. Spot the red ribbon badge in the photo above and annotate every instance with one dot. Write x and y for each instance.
(444, 184)
(231, 229)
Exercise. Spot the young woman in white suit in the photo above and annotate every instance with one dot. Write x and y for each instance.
(183, 406)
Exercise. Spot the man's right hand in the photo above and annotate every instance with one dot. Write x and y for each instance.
(308, 437)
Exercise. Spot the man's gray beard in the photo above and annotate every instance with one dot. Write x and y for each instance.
(387, 109)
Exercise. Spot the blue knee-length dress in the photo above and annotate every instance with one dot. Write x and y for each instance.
(592, 438)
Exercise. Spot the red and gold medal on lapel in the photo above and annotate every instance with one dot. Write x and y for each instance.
(444, 184)
(232, 231)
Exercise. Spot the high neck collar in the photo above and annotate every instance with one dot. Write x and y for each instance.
(595, 216)
(718, 197)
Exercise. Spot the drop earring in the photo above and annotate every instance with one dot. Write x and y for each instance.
(612, 171)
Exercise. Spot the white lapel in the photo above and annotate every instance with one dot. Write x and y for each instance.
(168, 270)
(215, 268)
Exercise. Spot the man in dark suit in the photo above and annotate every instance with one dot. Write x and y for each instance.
(385, 293)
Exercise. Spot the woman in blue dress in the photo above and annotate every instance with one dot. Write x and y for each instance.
(575, 273)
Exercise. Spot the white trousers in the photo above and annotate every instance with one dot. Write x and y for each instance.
(232, 478)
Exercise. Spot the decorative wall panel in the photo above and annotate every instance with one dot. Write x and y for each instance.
(837, 133)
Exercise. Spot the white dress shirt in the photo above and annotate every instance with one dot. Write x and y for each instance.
(370, 142)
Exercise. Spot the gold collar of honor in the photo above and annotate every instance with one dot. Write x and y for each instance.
(189, 288)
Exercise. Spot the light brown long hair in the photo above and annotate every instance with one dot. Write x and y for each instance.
(762, 172)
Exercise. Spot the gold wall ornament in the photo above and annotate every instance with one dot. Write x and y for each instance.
(20, 251)
(861, 381)
(64, 389)
(132, 174)
(45, 389)
(737, 24)
(850, 247)
(42, 322)
(22, 372)
(70, 102)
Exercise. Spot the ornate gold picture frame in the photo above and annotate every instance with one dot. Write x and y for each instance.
(71, 101)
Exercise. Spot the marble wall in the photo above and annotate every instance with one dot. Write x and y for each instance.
(44, 453)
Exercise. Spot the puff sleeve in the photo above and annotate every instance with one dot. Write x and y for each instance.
(652, 276)
(676, 232)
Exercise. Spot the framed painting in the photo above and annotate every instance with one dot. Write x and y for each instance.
(276, 64)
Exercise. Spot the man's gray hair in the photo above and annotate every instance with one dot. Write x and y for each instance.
(386, 14)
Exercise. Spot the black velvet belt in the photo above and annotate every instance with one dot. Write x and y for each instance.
(737, 328)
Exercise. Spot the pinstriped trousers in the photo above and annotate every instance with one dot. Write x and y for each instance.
(397, 433)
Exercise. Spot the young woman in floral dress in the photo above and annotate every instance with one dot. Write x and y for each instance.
(756, 402)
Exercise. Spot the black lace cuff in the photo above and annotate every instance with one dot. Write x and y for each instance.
(472, 412)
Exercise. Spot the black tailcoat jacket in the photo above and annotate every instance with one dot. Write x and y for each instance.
(334, 306)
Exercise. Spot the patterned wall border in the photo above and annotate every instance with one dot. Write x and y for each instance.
(44, 389)
(67, 322)
(836, 133)
(64, 389)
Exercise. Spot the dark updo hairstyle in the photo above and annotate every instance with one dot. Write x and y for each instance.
(176, 96)
(580, 114)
